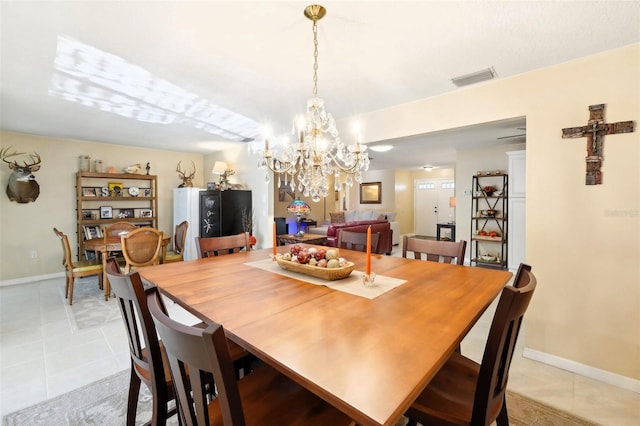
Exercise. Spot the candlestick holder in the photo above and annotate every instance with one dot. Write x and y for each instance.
(368, 280)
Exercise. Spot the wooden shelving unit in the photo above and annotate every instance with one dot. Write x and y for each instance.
(93, 193)
(489, 215)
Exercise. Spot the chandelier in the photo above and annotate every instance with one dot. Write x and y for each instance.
(318, 152)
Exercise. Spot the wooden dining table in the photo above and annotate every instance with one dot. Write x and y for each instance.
(370, 358)
(114, 243)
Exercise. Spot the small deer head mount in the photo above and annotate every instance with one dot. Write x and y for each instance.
(186, 176)
(22, 186)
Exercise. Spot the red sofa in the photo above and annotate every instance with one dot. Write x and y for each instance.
(381, 226)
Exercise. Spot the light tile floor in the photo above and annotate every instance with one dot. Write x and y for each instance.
(41, 357)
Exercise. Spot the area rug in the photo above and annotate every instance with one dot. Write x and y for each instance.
(104, 403)
(89, 308)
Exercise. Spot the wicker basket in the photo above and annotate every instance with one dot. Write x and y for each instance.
(329, 274)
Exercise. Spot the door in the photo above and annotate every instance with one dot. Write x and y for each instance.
(431, 205)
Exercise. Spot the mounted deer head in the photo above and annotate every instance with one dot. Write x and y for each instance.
(22, 186)
(186, 179)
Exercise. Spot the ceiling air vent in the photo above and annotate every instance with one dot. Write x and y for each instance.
(475, 77)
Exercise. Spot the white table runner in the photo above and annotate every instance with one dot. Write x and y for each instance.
(352, 284)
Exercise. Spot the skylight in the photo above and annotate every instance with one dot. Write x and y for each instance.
(94, 78)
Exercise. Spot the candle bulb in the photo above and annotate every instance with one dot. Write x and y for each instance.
(274, 240)
(368, 251)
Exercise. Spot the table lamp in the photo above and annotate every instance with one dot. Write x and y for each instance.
(299, 207)
(452, 204)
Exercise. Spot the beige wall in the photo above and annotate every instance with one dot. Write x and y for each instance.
(582, 241)
(27, 227)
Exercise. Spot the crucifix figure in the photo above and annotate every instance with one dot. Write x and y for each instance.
(595, 130)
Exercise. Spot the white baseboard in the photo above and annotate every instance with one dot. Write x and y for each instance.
(584, 370)
(27, 280)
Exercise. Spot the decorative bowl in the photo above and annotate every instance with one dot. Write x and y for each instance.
(329, 274)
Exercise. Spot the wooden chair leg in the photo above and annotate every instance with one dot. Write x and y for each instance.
(503, 417)
(66, 287)
(132, 403)
(71, 283)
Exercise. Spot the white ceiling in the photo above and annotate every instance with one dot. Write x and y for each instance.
(255, 58)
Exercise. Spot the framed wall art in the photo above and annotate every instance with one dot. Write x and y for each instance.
(371, 193)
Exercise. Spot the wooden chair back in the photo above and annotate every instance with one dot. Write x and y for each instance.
(435, 250)
(179, 239)
(180, 236)
(357, 240)
(498, 353)
(117, 229)
(141, 247)
(145, 349)
(191, 349)
(217, 246)
(73, 270)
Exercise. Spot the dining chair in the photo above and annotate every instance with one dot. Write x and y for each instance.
(217, 246)
(79, 269)
(141, 247)
(263, 397)
(464, 392)
(435, 250)
(117, 230)
(179, 238)
(148, 357)
(357, 240)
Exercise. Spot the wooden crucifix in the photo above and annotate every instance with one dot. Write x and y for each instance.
(595, 130)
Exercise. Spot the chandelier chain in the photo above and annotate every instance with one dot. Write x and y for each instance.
(315, 57)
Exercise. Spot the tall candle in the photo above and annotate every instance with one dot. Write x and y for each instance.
(369, 250)
(274, 239)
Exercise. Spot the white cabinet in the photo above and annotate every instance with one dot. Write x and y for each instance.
(517, 208)
(186, 206)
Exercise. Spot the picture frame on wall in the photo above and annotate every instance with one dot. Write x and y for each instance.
(371, 193)
(106, 212)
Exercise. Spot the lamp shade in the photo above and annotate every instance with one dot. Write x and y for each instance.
(452, 201)
(298, 206)
(219, 167)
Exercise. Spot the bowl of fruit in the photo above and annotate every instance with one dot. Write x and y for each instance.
(316, 262)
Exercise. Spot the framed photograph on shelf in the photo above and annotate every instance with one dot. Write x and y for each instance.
(371, 193)
(89, 192)
(115, 189)
(106, 212)
(146, 192)
(124, 213)
(146, 213)
(87, 215)
(91, 232)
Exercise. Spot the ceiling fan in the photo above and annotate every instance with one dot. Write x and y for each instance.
(515, 136)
